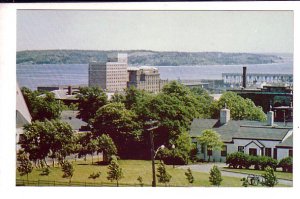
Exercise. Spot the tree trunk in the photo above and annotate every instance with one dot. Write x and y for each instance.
(117, 183)
(92, 159)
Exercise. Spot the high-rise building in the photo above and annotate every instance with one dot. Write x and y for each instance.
(111, 75)
(145, 78)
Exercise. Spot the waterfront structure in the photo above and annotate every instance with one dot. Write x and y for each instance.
(111, 75)
(145, 78)
(250, 137)
(257, 78)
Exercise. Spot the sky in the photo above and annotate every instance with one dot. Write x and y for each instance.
(190, 31)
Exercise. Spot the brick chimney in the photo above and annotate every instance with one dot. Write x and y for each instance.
(270, 116)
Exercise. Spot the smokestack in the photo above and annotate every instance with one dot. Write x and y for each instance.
(69, 90)
(244, 76)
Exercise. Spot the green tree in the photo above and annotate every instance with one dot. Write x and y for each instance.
(215, 177)
(210, 138)
(189, 176)
(140, 180)
(42, 105)
(68, 170)
(107, 146)
(117, 97)
(94, 176)
(270, 177)
(240, 108)
(115, 172)
(163, 175)
(90, 99)
(120, 124)
(24, 164)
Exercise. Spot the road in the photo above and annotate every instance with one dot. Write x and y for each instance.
(206, 168)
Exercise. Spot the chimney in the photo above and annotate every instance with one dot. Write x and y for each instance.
(244, 76)
(270, 116)
(69, 90)
(224, 116)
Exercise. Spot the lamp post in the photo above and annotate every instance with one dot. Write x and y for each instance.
(173, 148)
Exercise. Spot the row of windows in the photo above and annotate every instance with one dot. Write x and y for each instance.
(266, 152)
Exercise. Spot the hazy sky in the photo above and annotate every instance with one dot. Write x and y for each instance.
(226, 31)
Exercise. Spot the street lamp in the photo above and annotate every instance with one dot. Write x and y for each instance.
(173, 148)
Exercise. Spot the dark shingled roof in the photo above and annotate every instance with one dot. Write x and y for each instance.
(71, 118)
(287, 143)
(239, 129)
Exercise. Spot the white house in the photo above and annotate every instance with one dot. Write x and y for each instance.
(250, 137)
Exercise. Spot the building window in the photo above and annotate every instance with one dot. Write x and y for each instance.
(241, 149)
(268, 152)
(202, 148)
(253, 151)
(224, 151)
(209, 150)
(291, 153)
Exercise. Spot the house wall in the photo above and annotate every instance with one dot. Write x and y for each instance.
(282, 153)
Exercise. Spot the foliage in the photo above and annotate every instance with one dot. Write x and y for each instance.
(117, 97)
(120, 124)
(210, 138)
(90, 99)
(270, 177)
(94, 176)
(47, 138)
(163, 175)
(24, 165)
(42, 107)
(144, 57)
(92, 147)
(189, 176)
(140, 180)
(107, 146)
(67, 169)
(240, 108)
(215, 177)
(114, 171)
(45, 172)
(286, 164)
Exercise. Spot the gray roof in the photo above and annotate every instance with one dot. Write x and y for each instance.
(71, 118)
(22, 113)
(240, 129)
(20, 120)
(287, 143)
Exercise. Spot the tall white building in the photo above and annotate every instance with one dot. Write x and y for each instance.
(111, 75)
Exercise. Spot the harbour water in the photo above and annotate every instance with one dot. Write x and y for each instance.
(32, 76)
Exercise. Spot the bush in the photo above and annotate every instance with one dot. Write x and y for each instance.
(169, 158)
(215, 177)
(286, 164)
(270, 178)
(237, 160)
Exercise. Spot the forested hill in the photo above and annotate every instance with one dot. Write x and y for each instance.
(144, 57)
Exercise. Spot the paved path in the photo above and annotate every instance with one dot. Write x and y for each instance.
(206, 168)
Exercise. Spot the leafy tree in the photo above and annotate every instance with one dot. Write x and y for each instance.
(114, 171)
(286, 164)
(163, 175)
(240, 108)
(189, 176)
(83, 140)
(215, 177)
(120, 124)
(210, 138)
(140, 180)
(107, 146)
(42, 105)
(270, 177)
(68, 170)
(24, 164)
(117, 97)
(92, 147)
(90, 99)
(45, 172)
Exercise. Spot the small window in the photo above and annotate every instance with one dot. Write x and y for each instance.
(241, 149)
(275, 153)
(291, 153)
(224, 151)
(253, 151)
(268, 152)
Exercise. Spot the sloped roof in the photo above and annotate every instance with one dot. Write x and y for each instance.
(240, 129)
(71, 118)
(22, 113)
(287, 143)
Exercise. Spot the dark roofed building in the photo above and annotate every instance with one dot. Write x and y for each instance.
(71, 118)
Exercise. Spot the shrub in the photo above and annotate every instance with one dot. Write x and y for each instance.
(237, 159)
(286, 164)
(169, 158)
(215, 177)
(270, 178)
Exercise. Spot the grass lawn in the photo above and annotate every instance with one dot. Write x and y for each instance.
(279, 174)
(132, 169)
